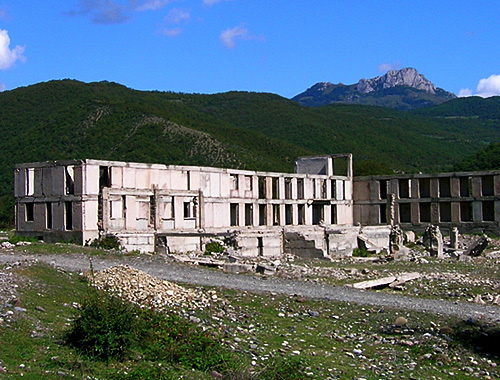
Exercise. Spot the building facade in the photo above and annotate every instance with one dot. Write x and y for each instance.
(468, 200)
(152, 207)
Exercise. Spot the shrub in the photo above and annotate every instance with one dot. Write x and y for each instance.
(213, 247)
(105, 327)
(360, 252)
(106, 242)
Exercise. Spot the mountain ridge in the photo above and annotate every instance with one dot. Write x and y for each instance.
(403, 89)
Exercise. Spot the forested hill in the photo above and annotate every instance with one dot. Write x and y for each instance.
(70, 119)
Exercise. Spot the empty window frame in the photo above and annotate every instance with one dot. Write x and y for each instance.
(301, 214)
(382, 189)
(276, 187)
(322, 189)
(300, 188)
(262, 187)
(333, 214)
(424, 187)
(234, 214)
(444, 187)
(248, 214)
(465, 186)
(404, 188)
(68, 215)
(234, 181)
(29, 212)
(262, 215)
(405, 212)
(318, 211)
(48, 215)
(189, 210)
(466, 211)
(288, 188)
(69, 180)
(445, 212)
(425, 212)
(383, 213)
(333, 189)
(276, 215)
(30, 181)
(488, 211)
(104, 176)
(288, 214)
(487, 185)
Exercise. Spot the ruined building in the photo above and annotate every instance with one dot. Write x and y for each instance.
(317, 211)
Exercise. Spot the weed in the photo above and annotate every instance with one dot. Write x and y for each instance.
(106, 242)
(213, 247)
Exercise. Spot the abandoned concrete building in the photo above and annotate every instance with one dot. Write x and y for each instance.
(468, 200)
(318, 211)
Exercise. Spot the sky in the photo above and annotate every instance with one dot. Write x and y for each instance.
(277, 46)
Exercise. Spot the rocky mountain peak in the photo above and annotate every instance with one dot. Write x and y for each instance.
(404, 77)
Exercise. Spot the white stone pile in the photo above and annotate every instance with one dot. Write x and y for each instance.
(140, 288)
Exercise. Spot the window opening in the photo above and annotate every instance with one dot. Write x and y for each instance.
(248, 214)
(68, 208)
(30, 211)
(445, 212)
(444, 188)
(425, 212)
(424, 187)
(234, 217)
(405, 212)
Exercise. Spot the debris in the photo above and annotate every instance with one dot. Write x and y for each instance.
(433, 241)
(142, 289)
(477, 247)
(391, 281)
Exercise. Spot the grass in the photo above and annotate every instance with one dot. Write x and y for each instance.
(269, 337)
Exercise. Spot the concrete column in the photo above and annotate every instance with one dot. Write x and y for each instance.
(454, 188)
(434, 184)
(434, 212)
(476, 188)
(415, 211)
(477, 212)
(281, 186)
(294, 188)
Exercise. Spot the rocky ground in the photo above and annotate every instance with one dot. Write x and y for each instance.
(293, 310)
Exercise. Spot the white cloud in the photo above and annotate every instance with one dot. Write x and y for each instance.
(171, 32)
(212, 2)
(229, 35)
(2, 87)
(7, 56)
(152, 5)
(176, 16)
(384, 67)
(103, 11)
(485, 88)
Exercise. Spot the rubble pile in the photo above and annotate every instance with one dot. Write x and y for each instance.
(144, 290)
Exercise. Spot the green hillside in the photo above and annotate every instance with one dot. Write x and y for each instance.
(70, 119)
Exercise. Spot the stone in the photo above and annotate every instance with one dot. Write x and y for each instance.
(477, 247)
(433, 241)
(454, 238)
(400, 321)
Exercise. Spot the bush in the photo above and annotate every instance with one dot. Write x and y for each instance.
(109, 328)
(213, 247)
(105, 327)
(360, 252)
(106, 242)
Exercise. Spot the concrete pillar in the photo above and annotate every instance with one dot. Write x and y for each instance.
(455, 187)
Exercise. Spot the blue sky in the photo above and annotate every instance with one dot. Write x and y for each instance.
(277, 46)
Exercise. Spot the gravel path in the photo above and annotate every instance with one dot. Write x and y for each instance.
(158, 267)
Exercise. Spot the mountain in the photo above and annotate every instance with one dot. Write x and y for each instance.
(403, 89)
(69, 119)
